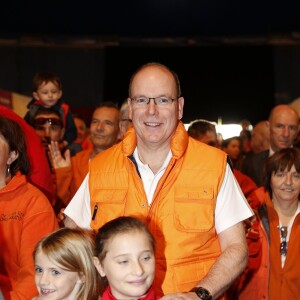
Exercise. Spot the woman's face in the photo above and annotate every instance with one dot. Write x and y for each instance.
(233, 149)
(4, 155)
(285, 185)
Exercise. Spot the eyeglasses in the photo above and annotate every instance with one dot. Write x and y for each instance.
(126, 120)
(283, 242)
(55, 124)
(159, 101)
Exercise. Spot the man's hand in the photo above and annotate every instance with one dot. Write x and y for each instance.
(57, 160)
(180, 296)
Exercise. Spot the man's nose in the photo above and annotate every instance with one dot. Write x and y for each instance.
(286, 131)
(152, 107)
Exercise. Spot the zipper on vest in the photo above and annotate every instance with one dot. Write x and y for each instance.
(95, 212)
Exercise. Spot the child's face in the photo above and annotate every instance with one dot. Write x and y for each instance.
(48, 93)
(129, 265)
(53, 282)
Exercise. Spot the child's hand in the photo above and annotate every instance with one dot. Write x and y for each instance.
(57, 160)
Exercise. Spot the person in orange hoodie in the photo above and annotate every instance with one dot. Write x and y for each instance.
(40, 174)
(70, 172)
(26, 215)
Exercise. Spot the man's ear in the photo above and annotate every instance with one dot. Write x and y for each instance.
(62, 133)
(13, 155)
(98, 266)
(180, 107)
(129, 108)
(268, 124)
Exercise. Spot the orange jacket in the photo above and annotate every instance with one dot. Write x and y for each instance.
(181, 216)
(25, 217)
(69, 179)
(264, 278)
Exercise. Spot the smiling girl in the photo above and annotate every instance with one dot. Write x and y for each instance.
(125, 260)
(64, 266)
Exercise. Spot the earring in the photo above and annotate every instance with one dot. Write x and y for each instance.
(8, 170)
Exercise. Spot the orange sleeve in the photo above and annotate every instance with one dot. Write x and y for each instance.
(38, 221)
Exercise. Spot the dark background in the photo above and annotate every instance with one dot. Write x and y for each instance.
(235, 59)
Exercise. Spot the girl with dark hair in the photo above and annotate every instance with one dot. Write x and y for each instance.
(125, 260)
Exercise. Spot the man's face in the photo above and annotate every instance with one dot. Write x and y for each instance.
(81, 130)
(104, 127)
(48, 93)
(283, 127)
(49, 128)
(155, 125)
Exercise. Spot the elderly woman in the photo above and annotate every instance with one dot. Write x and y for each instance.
(274, 236)
(25, 215)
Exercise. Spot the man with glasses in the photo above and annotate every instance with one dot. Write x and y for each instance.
(49, 126)
(182, 189)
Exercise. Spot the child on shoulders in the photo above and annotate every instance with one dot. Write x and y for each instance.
(47, 92)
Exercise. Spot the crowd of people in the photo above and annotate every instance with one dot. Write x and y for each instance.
(134, 206)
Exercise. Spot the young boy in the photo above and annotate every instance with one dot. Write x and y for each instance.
(47, 92)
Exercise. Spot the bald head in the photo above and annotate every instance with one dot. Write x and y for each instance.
(154, 65)
(283, 126)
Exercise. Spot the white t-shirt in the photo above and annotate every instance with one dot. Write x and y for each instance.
(231, 206)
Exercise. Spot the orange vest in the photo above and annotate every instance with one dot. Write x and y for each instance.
(181, 215)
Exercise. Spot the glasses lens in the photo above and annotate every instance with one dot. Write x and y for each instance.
(52, 121)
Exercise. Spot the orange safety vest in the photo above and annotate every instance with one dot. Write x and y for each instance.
(181, 215)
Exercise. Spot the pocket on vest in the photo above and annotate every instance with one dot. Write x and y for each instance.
(194, 209)
(111, 202)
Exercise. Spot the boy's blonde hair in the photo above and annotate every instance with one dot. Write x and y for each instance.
(73, 251)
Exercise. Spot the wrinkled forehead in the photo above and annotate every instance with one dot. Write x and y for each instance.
(153, 81)
(106, 113)
(285, 117)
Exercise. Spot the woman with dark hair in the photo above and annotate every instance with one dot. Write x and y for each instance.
(273, 270)
(25, 215)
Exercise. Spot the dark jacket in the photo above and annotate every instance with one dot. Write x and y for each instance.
(253, 166)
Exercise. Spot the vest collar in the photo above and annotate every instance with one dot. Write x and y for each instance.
(179, 141)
